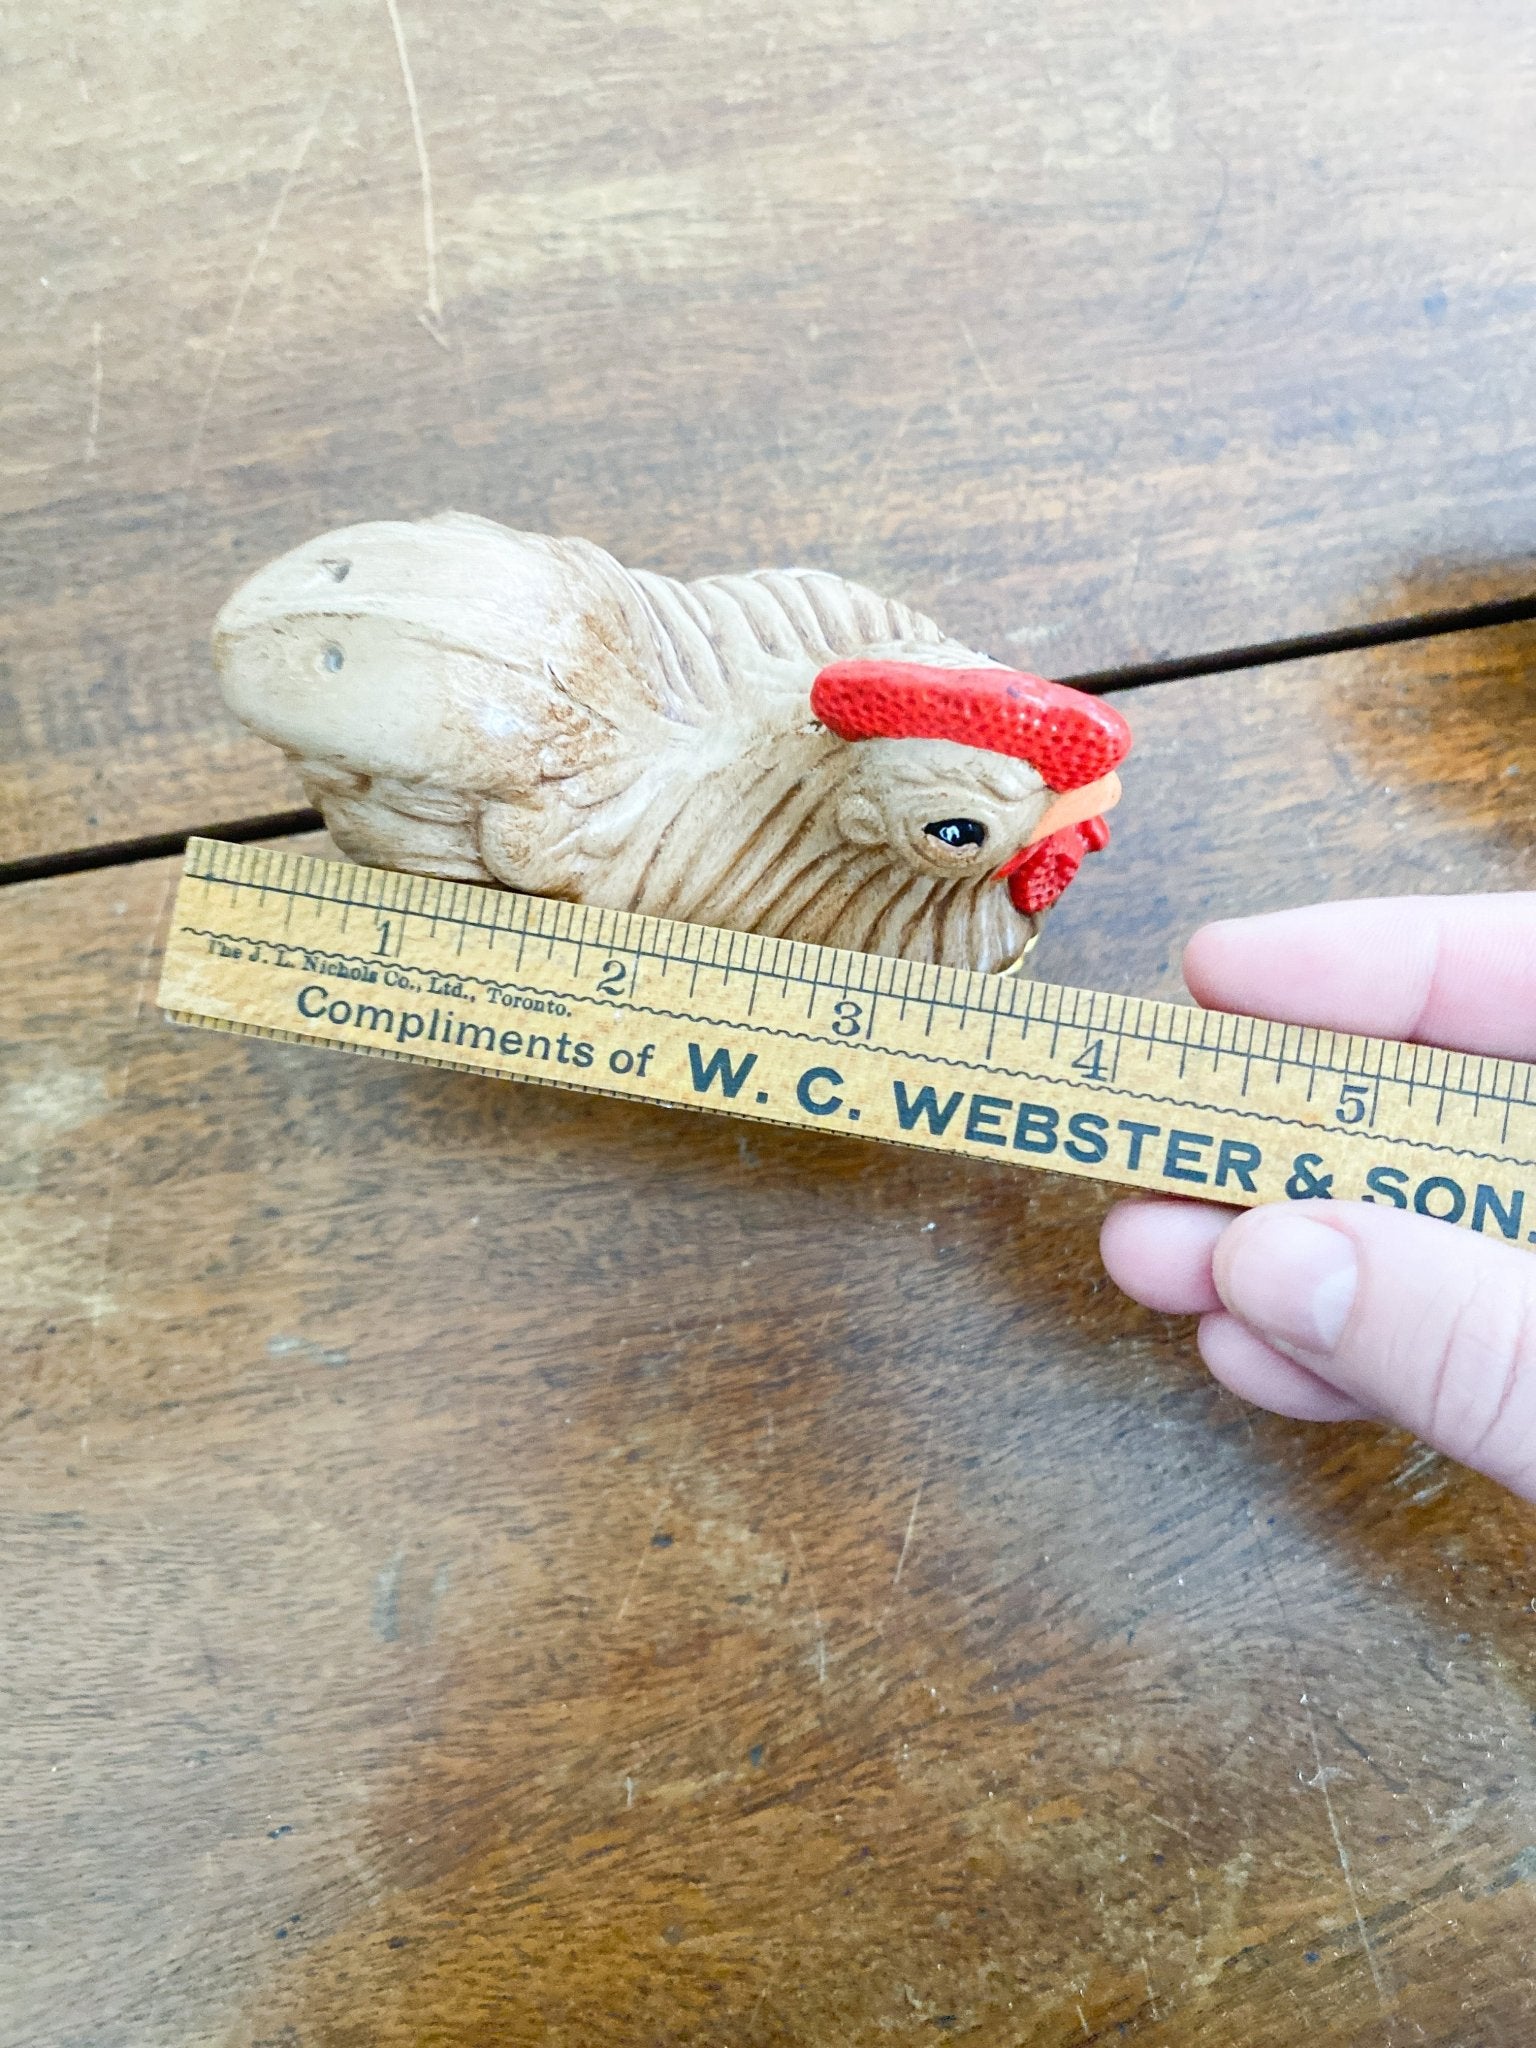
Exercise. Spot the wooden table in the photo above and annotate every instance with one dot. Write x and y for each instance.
(484, 1566)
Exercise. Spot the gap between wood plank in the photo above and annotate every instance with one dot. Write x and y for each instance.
(1137, 676)
(119, 853)
(1474, 618)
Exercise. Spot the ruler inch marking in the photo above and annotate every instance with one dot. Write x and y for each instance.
(264, 940)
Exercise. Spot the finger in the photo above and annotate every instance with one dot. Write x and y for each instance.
(1457, 971)
(1432, 1327)
(1159, 1253)
(1259, 1373)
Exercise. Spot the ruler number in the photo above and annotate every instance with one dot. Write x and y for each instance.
(1090, 1061)
(848, 1018)
(1427, 1102)
(1354, 1103)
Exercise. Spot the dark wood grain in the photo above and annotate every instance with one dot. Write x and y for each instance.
(1105, 334)
(483, 1566)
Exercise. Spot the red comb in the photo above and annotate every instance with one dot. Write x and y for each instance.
(1070, 738)
(1037, 875)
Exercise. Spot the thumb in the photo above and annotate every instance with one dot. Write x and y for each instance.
(1429, 1327)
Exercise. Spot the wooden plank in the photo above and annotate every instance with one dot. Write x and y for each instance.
(1106, 337)
(482, 1564)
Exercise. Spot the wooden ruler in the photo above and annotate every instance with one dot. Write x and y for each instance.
(1149, 1094)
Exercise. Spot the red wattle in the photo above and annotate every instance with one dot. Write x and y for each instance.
(1037, 876)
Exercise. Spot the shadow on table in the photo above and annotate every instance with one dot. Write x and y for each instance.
(1454, 717)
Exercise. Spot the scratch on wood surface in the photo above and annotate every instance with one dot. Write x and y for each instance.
(368, 1883)
(1321, 1778)
(431, 315)
(1194, 1881)
(1146, 1971)
(81, 83)
(820, 1657)
(1194, 1885)
(117, 1147)
(154, 938)
(875, 494)
(93, 417)
(645, 1551)
(979, 360)
(384, 1614)
(906, 1541)
(1424, 1460)
(1202, 248)
(237, 311)
(1171, 1824)
(1321, 1782)
(633, 1582)
(1136, 555)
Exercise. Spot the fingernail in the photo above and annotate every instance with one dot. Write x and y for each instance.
(1289, 1279)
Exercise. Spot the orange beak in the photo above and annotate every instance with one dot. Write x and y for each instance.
(1077, 806)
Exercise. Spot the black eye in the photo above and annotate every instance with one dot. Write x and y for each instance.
(958, 832)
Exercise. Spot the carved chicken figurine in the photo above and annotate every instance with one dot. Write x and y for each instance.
(781, 752)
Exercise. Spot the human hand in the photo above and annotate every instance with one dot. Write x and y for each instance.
(1337, 1311)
